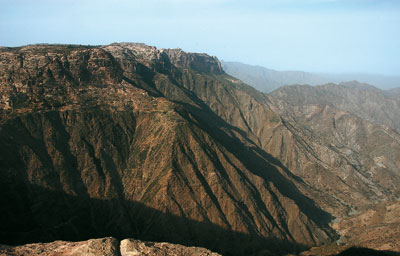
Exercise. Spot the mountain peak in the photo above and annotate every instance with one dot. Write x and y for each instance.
(358, 85)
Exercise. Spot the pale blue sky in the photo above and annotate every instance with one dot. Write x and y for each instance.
(308, 35)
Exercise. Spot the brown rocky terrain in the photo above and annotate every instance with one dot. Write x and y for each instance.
(363, 100)
(123, 141)
(360, 158)
(104, 247)
(344, 162)
(353, 166)
(367, 177)
(126, 140)
(378, 228)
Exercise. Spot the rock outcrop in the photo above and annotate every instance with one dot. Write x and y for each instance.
(195, 61)
(104, 247)
(130, 247)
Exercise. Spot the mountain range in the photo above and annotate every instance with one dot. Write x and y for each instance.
(267, 80)
(127, 140)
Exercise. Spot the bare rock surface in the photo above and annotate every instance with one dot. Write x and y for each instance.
(94, 247)
(131, 247)
(104, 247)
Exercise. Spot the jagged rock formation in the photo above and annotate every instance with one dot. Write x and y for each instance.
(104, 247)
(130, 141)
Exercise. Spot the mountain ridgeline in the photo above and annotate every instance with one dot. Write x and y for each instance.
(267, 80)
(128, 140)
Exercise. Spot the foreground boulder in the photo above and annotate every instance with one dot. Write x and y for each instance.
(108, 246)
(103, 246)
(130, 247)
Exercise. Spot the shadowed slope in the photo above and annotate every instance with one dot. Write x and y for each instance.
(82, 125)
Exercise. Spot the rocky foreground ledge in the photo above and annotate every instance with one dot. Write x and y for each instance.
(108, 246)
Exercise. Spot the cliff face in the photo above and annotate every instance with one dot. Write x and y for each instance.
(130, 141)
(195, 61)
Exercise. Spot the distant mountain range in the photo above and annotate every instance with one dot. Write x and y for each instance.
(267, 80)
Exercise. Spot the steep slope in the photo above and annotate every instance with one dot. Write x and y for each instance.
(362, 167)
(310, 161)
(368, 151)
(363, 156)
(346, 164)
(125, 140)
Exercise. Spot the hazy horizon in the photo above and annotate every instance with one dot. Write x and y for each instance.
(321, 36)
(314, 72)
